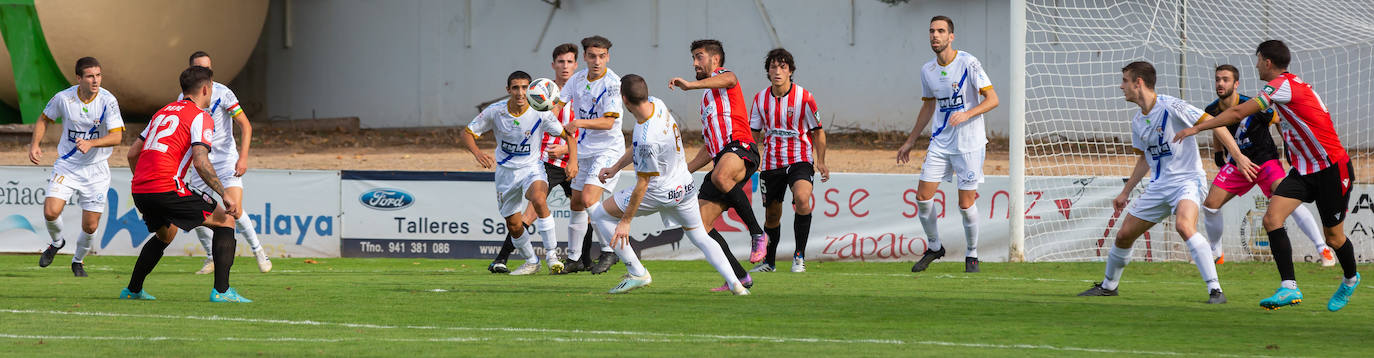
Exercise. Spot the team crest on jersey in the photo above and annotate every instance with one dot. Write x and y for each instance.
(1268, 89)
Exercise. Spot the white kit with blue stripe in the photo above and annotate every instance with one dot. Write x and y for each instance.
(518, 135)
(1175, 168)
(955, 88)
(592, 99)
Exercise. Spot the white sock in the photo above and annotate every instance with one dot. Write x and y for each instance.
(1308, 225)
(83, 246)
(545, 226)
(605, 227)
(714, 255)
(207, 240)
(577, 229)
(926, 212)
(1289, 284)
(522, 243)
(245, 226)
(1117, 259)
(971, 230)
(55, 231)
(1202, 257)
(1215, 225)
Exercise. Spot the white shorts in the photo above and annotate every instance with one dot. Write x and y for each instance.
(511, 186)
(91, 182)
(676, 207)
(225, 171)
(588, 167)
(1160, 200)
(967, 168)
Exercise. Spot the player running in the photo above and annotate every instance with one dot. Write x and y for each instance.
(787, 115)
(554, 153)
(1253, 160)
(519, 173)
(231, 162)
(594, 94)
(662, 185)
(1321, 171)
(1175, 188)
(178, 138)
(91, 126)
(952, 82)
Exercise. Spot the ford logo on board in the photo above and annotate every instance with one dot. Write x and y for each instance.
(387, 199)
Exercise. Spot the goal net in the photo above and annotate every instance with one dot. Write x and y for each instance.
(1078, 136)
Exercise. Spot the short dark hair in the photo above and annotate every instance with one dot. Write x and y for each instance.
(1141, 70)
(596, 41)
(1275, 51)
(779, 55)
(712, 47)
(195, 77)
(565, 48)
(85, 62)
(195, 55)
(634, 89)
(1232, 69)
(517, 75)
(946, 19)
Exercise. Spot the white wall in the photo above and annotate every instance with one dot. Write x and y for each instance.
(404, 63)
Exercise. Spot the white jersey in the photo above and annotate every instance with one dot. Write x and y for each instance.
(955, 87)
(1153, 133)
(518, 135)
(224, 105)
(82, 120)
(657, 150)
(596, 98)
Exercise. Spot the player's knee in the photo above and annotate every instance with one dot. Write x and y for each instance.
(515, 225)
(89, 228)
(966, 203)
(1273, 221)
(1334, 237)
(51, 214)
(802, 205)
(723, 182)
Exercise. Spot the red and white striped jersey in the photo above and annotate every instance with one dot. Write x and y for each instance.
(166, 154)
(785, 122)
(1309, 136)
(723, 117)
(550, 140)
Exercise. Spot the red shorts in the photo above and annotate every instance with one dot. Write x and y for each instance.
(1233, 181)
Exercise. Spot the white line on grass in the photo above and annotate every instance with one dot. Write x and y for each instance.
(674, 337)
(1002, 278)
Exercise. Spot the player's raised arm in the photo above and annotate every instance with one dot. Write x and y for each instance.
(611, 171)
(922, 120)
(723, 80)
(702, 158)
(989, 102)
(1229, 117)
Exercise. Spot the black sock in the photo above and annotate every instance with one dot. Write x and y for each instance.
(147, 259)
(587, 247)
(739, 201)
(224, 244)
(773, 234)
(1283, 253)
(507, 247)
(724, 247)
(801, 226)
(1346, 255)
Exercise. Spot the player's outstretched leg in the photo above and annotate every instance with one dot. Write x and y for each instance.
(637, 276)
(147, 260)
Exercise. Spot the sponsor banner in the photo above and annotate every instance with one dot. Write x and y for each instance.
(294, 213)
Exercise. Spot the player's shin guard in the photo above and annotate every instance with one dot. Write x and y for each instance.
(926, 212)
(225, 246)
(147, 259)
(715, 255)
(1346, 255)
(739, 200)
(1117, 259)
(83, 246)
(774, 236)
(55, 232)
(245, 226)
(1202, 257)
(1308, 224)
(545, 226)
(577, 230)
(605, 227)
(207, 240)
(1282, 250)
(725, 250)
(801, 227)
(1215, 225)
(970, 217)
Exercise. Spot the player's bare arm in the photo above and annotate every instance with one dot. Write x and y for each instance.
(568, 137)
(724, 80)
(200, 159)
(39, 129)
(1247, 168)
(818, 144)
(989, 102)
(109, 140)
(922, 120)
(608, 172)
(622, 230)
(702, 158)
(241, 121)
(603, 123)
(1142, 167)
(469, 141)
(134, 151)
(1231, 116)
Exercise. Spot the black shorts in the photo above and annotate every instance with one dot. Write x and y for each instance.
(1330, 188)
(556, 177)
(746, 151)
(776, 182)
(186, 212)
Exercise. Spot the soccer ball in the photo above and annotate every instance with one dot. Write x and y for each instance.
(542, 94)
